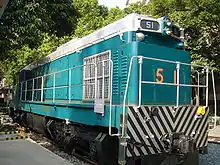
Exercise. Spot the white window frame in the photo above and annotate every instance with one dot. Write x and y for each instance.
(84, 79)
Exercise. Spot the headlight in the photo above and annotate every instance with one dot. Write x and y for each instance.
(181, 33)
(180, 45)
(168, 22)
(168, 31)
(140, 36)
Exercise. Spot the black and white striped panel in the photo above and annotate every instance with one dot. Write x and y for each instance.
(145, 131)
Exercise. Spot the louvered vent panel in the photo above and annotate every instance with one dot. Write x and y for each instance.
(124, 71)
(115, 85)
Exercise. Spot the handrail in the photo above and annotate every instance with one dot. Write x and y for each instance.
(140, 61)
(32, 97)
(177, 83)
(110, 91)
(25, 94)
(207, 89)
(21, 90)
(110, 101)
(60, 71)
(178, 64)
(174, 62)
(125, 96)
(54, 83)
(54, 87)
(69, 88)
(198, 86)
(215, 99)
(171, 84)
(103, 80)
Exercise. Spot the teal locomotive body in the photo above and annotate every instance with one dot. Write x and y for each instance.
(129, 81)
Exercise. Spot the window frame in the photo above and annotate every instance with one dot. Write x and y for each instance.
(109, 71)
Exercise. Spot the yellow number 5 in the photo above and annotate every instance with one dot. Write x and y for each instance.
(159, 76)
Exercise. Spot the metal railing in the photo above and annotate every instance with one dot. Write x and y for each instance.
(54, 87)
(70, 85)
(177, 84)
(215, 100)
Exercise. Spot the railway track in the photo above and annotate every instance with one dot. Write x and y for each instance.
(55, 148)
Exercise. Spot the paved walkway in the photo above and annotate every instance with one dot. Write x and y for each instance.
(215, 132)
(25, 152)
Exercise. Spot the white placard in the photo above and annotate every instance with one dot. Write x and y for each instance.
(99, 106)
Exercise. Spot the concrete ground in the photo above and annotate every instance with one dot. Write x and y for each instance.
(25, 152)
(215, 132)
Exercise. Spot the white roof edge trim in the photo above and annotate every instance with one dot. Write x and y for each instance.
(128, 23)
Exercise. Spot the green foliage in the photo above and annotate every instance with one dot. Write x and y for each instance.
(199, 18)
(201, 21)
(24, 22)
(113, 15)
(25, 55)
(91, 16)
(139, 7)
(25, 29)
(30, 30)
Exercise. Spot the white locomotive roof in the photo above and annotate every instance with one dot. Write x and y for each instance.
(128, 23)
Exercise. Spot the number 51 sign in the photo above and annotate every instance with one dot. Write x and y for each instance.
(160, 77)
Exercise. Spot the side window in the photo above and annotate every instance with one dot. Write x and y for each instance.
(89, 76)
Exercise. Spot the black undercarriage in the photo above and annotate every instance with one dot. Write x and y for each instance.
(93, 143)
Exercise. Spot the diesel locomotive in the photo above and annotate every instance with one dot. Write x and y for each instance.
(120, 95)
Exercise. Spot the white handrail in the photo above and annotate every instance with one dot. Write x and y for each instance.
(70, 72)
(215, 99)
(178, 74)
(177, 83)
(32, 90)
(140, 61)
(21, 90)
(171, 84)
(103, 80)
(198, 86)
(125, 96)
(54, 82)
(54, 85)
(207, 89)
(25, 94)
(49, 74)
(42, 88)
(173, 62)
(110, 93)
(151, 82)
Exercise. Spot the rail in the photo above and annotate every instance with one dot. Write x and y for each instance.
(54, 87)
(177, 84)
(215, 100)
